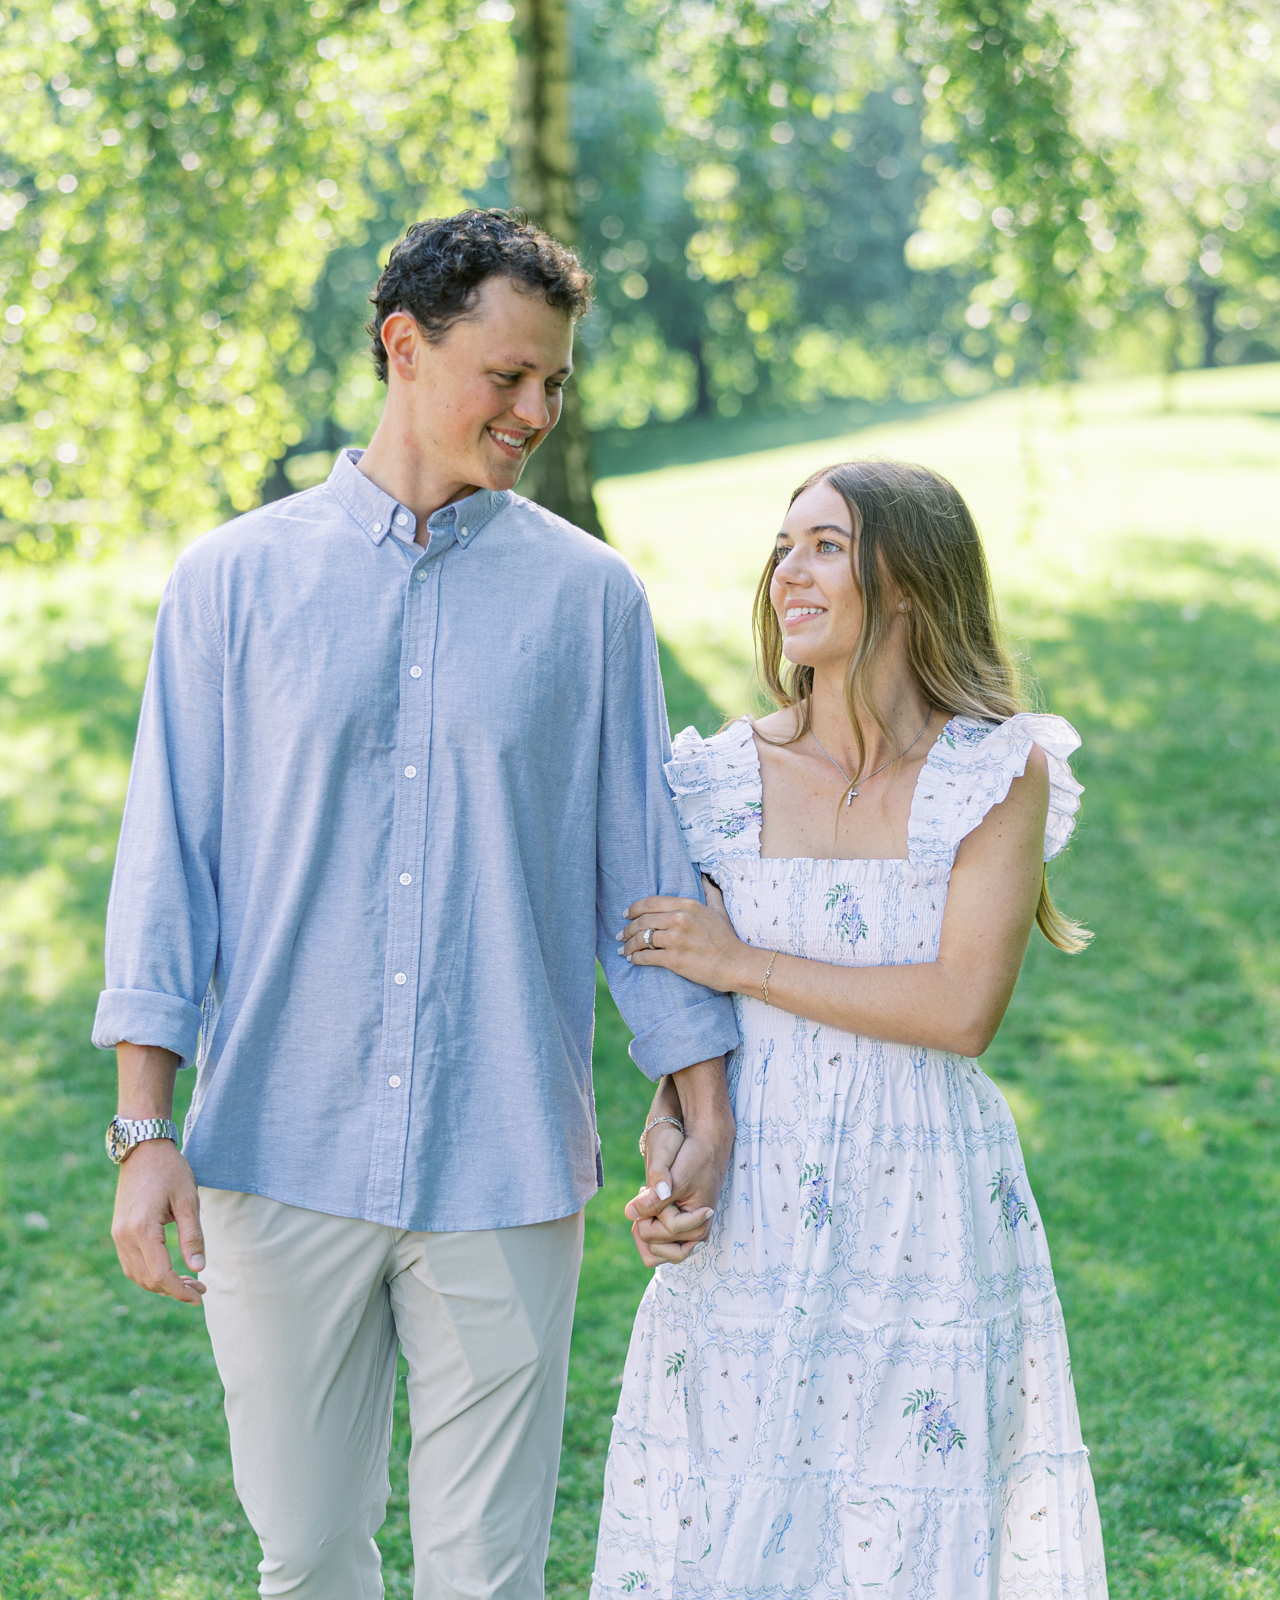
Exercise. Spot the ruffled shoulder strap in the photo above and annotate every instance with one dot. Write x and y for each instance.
(716, 783)
(970, 769)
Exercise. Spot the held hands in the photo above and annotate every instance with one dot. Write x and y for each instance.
(691, 939)
(684, 1173)
(156, 1187)
(669, 1229)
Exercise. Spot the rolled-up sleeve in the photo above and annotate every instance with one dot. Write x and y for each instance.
(162, 921)
(640, 851)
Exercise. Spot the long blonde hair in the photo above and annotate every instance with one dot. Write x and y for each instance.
(916, 540)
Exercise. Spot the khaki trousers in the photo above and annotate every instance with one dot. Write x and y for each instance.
(305, 1313)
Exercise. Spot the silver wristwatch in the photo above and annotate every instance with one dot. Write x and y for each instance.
(123, 1133)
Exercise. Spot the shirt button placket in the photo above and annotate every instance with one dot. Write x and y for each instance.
(408, 919)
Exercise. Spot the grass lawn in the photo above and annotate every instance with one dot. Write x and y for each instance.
(1137, 551)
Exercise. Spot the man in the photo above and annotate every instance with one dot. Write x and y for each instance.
(398, 778)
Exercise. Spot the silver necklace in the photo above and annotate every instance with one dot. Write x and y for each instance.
(853, 793)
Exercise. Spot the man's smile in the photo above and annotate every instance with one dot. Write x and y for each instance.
(511, 444)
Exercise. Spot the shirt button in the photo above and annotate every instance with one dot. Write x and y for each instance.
(415, 672)
(400, 978)
(422, 577)
(401, 518)
(406, 877)
(394, 1081)
(411, 772)
(377, 527)
(462, 532)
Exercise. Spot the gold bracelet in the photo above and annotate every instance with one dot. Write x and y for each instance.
(764, 984)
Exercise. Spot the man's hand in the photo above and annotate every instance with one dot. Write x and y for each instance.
(667, 1227)
(157, 1187)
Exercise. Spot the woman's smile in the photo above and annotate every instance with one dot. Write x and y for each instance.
(797, 613)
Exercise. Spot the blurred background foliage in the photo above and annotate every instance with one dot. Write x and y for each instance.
(786, 201)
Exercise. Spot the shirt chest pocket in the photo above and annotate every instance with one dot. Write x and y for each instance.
(516, 694)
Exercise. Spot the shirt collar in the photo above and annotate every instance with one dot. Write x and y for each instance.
(378, 514)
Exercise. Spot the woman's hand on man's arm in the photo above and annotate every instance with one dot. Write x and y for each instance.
(697, 941)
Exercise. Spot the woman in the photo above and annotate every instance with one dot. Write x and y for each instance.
(861, 1384)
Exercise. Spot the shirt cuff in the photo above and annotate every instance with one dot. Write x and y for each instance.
(143, 1016)
(699, 1033)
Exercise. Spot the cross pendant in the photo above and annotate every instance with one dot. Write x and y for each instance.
(851, 797)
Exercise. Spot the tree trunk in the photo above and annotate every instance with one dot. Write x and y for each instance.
(1207, 297)
(704, 406)
(543, 160)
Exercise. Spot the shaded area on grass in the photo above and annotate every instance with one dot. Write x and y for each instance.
(1144, 1074)
(620, 451)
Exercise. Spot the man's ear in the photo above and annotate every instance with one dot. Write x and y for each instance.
(402, 340)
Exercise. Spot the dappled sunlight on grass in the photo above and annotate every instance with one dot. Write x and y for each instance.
(1153, 1058)
(1081, 492)
(1145, 1073)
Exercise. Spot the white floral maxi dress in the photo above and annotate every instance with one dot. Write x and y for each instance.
(860, 1384)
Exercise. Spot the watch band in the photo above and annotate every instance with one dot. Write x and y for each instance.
(124, 1133)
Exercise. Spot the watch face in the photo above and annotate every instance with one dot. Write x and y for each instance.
(117, 1141)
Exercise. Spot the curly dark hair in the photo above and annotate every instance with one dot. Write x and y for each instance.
(436, 270)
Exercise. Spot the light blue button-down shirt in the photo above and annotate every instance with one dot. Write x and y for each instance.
(387, 805)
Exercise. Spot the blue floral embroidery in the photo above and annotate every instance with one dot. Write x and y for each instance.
(958, 733)
(936, 1431)
(816, 1209)
(729, 824)
(850, 921)
(1004, 1193)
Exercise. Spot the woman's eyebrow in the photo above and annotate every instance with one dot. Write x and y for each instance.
(819, 527)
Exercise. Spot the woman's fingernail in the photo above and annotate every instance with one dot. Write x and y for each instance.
(622, 949)
(664, 1191)
(197, 1263)
(710, 1216)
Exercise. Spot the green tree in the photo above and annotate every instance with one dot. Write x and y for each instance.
(685, 321)
(543, 161)
(761, 217)
(1183, 104)
(174, 176)
(785, 200)
(763, 101)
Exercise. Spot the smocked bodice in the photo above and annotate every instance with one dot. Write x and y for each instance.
(860, 912)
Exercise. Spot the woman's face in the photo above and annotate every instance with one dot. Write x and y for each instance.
(818, 604)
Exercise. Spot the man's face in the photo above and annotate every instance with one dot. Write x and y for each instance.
(484, 398)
